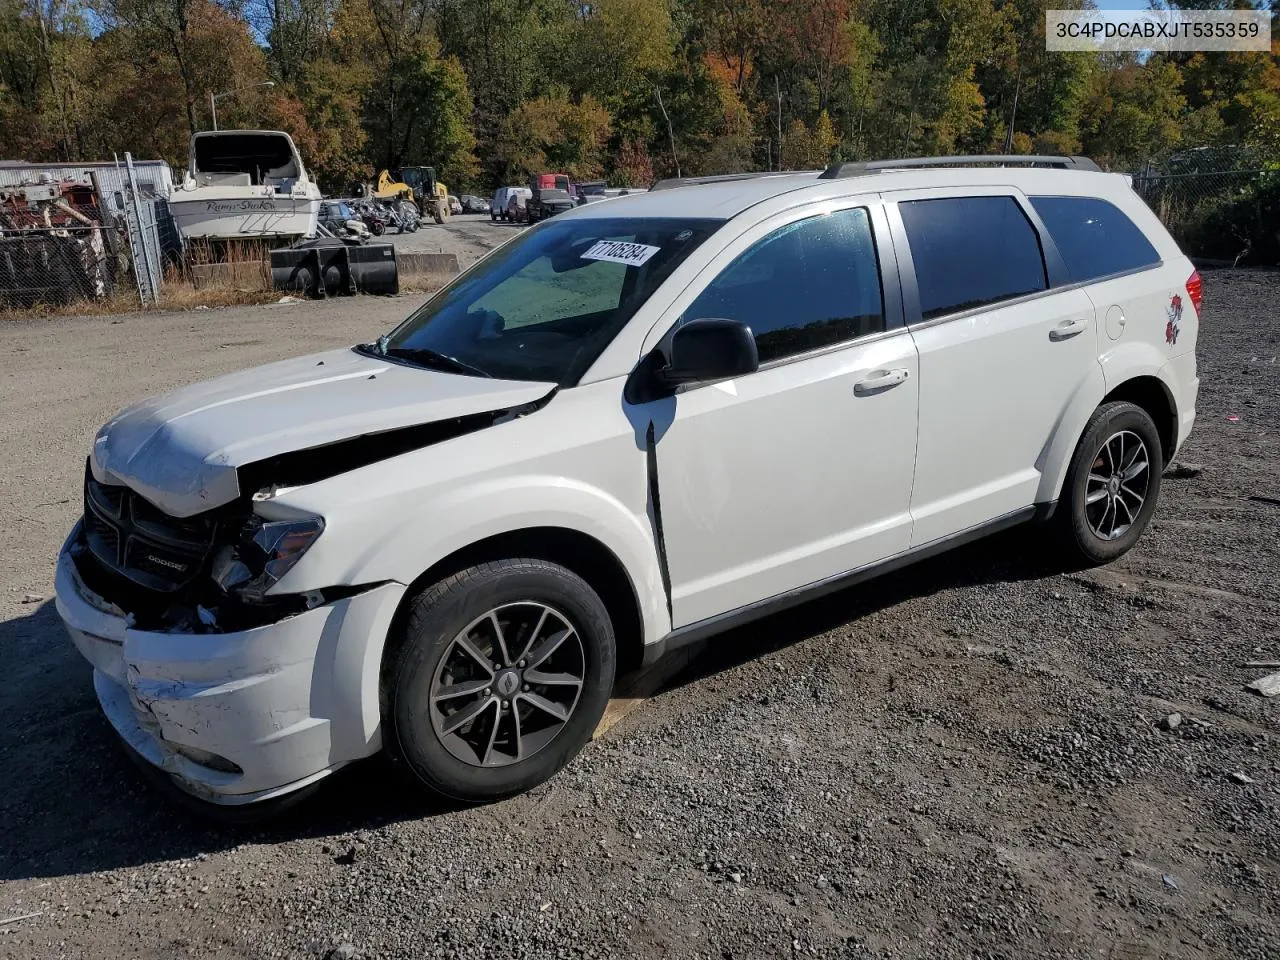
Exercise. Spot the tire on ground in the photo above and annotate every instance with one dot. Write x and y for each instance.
(434, 618)
(1077, 530)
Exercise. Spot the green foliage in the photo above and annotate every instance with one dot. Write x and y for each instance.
(488, 90)
(1133, 113)
(1238, 225)
(552, 134)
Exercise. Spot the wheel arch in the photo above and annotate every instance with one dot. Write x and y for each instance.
(1154, 396)
(574, 550)
(1141, 385)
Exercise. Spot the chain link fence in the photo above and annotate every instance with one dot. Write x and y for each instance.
(65, 244)
(53, 264)
(1220, 204)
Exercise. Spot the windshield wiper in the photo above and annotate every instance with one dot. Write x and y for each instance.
(425, 356)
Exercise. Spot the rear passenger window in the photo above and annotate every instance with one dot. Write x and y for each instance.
(806, 285)
(1094, 237)
(971, 251)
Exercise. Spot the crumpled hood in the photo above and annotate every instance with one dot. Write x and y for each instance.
(181, 451)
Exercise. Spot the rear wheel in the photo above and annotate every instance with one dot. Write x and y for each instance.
(502, 673)
(1112, 484)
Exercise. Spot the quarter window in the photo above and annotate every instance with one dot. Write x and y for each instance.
(1094, 237)
(971, 251)
(805, 286)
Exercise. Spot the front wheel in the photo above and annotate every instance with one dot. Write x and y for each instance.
(1113, 483)
(501, 674)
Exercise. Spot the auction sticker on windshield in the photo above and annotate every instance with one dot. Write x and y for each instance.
(616, 251)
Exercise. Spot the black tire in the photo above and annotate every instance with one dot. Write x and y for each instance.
(378, 228)
(1080, 520)
(426, 639)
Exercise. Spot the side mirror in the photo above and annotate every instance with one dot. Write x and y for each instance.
(709, 349)
(698, 351)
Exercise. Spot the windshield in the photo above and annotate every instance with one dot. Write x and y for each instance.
(261, 155)
(545, 305)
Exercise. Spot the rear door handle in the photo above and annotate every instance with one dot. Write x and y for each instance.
(881, 380)
(1068, 328)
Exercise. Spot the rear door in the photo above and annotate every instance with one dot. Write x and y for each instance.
(1136, 300)
(1001, 353)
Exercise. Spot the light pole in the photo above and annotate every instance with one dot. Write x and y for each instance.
(215, 97)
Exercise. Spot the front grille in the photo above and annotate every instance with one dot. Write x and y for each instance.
(133, 538)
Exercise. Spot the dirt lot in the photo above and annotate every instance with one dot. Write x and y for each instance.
(469, 236)
(962, 759)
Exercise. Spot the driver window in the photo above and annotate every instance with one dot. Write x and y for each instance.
(537, 294)
(805, 286)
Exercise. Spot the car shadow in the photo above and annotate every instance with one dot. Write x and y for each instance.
(72, 803)
(1018, 554)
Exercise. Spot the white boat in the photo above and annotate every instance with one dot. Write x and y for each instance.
(245, 184)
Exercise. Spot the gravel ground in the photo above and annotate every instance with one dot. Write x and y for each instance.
(470, 236)
(962, 759)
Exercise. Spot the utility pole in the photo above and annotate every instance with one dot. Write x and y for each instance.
(671, 134)
(215, 97)
(778, 93)
(1013, 119)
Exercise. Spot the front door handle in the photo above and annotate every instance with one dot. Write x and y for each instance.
(881, 380)
(1068, 328)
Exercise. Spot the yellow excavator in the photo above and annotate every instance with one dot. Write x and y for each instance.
(415, 185)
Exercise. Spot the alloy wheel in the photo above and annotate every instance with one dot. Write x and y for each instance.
(1117, 486)
(507, 684)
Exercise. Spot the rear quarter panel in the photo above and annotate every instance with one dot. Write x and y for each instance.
(1146, 326)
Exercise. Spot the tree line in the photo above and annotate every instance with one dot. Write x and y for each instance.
(489, 90)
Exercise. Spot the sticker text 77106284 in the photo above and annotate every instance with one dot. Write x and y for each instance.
(617, 251)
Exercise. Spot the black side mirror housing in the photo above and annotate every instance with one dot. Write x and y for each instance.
(710, 349)
(695, 352)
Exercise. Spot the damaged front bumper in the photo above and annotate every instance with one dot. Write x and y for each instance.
(241, 717)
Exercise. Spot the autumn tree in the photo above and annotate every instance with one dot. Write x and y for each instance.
(1131, 114)
(553, 133)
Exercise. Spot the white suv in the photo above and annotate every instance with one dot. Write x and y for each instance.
(629, 428)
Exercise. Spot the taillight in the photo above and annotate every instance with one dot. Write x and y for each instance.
(1194, 290)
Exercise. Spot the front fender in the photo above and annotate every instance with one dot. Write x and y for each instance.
(354, 551)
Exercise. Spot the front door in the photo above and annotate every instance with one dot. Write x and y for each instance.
(802, 470)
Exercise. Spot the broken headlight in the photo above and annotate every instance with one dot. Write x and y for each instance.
(266, 551)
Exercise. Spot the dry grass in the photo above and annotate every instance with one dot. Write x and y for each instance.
(124, 300)
(241, 277)
(237, 274)
(173, 297)
(423, 282)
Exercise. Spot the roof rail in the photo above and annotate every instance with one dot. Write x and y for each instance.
(672, 182)
(839, 170)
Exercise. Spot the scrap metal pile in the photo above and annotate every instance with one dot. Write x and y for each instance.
(54, 246)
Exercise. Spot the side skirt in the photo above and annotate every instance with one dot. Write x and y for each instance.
(696, 632)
